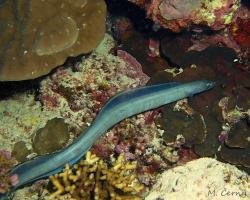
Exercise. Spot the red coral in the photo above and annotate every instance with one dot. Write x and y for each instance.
(102, 150)
(241, 32)
(186, 155)
(100, 98)
(153, 167)
(150, 116)
(49, 101)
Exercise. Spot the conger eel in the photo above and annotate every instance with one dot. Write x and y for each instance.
(119, 107)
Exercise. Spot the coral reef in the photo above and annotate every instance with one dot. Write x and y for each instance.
(220, 22)
(235, 36)
(235, 135)
(21, 116)
(204, 178)
(239, 29)
(191, 127)
(63, 29)
(215, 50)
(176, 15)
(6, 163)
(81, 91)
(131, 61)
(138, 46)
(219, 110)
(141, 141)
(92, 178)
(211, 124)
(76, 93)
(54, 136)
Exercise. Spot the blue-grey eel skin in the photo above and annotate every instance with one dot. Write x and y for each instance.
(119, 107)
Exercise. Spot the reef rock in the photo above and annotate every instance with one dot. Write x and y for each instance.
(178, 14)
(205, 179)
(38, 35)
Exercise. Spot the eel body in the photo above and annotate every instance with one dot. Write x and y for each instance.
(119, 107)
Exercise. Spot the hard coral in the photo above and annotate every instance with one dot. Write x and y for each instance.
(93, 178)
(81, 91)
(54, 136)
(34, 42)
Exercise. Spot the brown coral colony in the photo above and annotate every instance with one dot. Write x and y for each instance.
(38, 35)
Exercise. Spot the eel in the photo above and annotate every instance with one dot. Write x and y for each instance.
(119, 107)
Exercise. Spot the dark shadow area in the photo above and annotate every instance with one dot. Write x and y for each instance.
(10, 88)
(134, 13)
(142, 24)
(246, 3)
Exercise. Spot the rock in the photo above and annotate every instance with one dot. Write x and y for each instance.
(236, 156)
(210, 145)
(179, 123)
(239, 136)
(38, 35)
(204, 179)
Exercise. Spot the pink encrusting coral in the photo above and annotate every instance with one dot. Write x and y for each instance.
(134, 68)
(181, 14)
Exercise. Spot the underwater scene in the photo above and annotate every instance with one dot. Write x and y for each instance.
(124, 99)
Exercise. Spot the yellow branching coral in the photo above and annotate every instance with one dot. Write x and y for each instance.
(92, 178)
